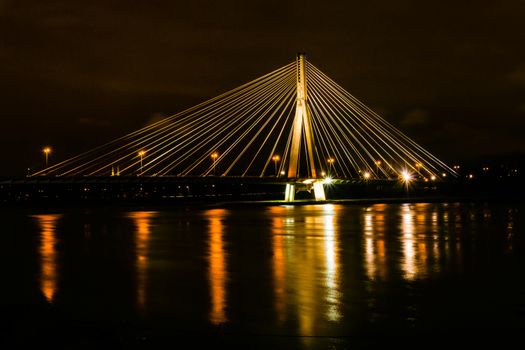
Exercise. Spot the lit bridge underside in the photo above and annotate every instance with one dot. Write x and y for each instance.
(294, 125)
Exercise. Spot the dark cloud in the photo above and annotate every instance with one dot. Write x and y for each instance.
(415, 117)
(518, 75)
(121, 61)
(93, 122)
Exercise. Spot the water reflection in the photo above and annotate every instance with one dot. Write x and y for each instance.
(142, 222)
(48, 254)
(408, 264)
(422, 234)
(332, 264)
(421, 239)
(435, 239)
(306, 273)
(306, 264)
(375, 249)
(279, 269)
(217, 273)
(510, 229)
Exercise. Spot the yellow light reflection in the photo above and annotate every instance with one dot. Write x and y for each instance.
(48, 254)
(142, 222)
(420, 240)
(369, 245)
(306, 264)
(409, 254)
(217, 272)
(332, 264)
(375, 251)
(307, 261)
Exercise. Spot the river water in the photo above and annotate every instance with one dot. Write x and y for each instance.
(305, 276)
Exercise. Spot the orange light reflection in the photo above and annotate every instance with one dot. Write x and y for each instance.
(142, 222)
(217, 274)
(279, 272)
(48, 254)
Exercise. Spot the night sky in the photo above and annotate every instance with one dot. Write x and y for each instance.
(74, 74)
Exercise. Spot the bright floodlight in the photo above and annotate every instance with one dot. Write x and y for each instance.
(142, 153)
(406, 175)
(366, 175)
(327, 180)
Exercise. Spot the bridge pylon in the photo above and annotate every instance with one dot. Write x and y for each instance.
(302, 123)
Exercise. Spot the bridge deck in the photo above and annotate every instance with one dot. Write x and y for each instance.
(166, 180)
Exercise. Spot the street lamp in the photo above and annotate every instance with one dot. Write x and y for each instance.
(46, 151)
(330, 163)
(275, 159)
(141, 154)
(214, 156)
(406, 177)
(419, 166)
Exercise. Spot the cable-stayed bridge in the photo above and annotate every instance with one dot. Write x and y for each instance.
(294, 125)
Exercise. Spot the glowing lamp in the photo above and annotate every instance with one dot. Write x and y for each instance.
(406, 176)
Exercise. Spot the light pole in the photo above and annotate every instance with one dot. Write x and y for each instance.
(330, 163)
(141, 155)
(275, 159)
(214, 156)
(46, 151)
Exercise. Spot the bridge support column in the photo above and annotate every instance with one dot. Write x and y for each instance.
(289, 194)
(319, 194)
(319, 191)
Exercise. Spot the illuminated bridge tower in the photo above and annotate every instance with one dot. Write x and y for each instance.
(302, 123)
